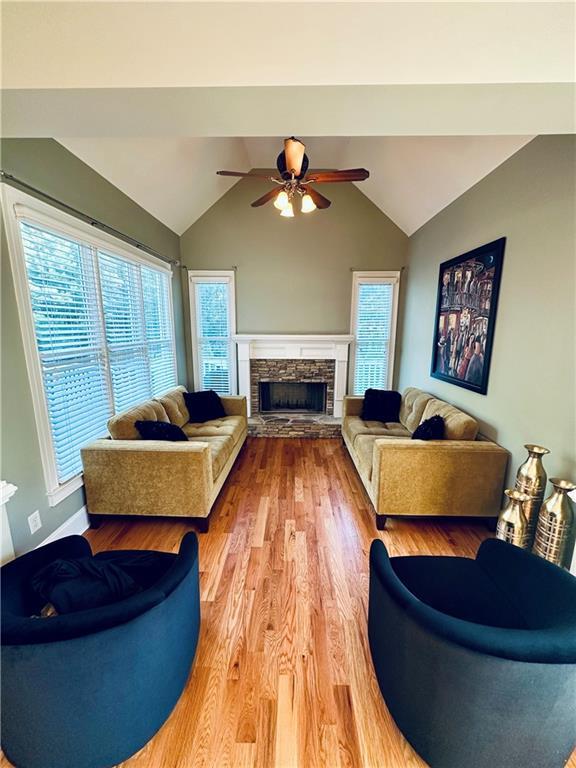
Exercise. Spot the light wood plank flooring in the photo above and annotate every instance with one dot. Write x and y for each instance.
(283, 675)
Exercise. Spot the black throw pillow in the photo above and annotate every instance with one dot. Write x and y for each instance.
(431, 429)
(160, 430)
(78, 585)
(381, 405)
(204, 406)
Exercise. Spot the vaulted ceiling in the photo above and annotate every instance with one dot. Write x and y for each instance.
(412, 177)
(429, 96)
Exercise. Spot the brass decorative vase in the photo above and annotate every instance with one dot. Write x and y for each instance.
(512, 526)
(531, 480)
(555, 523)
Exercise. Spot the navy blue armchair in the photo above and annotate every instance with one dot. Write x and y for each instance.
(88, 689)
(476, 659)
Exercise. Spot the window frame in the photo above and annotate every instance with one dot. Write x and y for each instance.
(205, 276)
(374, 278)
(18, 206)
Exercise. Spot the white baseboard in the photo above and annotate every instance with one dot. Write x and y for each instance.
(75, 525)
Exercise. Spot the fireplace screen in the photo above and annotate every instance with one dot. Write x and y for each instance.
(303, 396)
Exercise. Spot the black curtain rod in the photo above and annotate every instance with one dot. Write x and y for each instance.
(13, 181)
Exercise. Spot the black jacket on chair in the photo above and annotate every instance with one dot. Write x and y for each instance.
(476, 659)
(88, 689)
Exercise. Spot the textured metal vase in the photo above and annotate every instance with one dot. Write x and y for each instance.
(531, 480)
(512, 526)
(555, 523)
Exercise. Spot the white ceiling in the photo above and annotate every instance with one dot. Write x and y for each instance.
(411, 177)
(155, 44)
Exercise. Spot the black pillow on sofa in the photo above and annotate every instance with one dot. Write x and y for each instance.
(82, 584)
(381, 405)
(204, 406)
(431, 429)
(160, 430)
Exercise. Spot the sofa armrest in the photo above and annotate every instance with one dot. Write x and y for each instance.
(352, 405)
(235, 405)
(438, 477)
(148, 477)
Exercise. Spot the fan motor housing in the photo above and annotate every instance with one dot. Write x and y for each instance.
(284, 172)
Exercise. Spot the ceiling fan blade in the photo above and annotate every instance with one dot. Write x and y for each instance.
(265, 198)
(331, 177)
(243, 175)
(319, 200)
(294, 152)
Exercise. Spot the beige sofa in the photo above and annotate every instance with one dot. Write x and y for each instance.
(126, 475)
(461, 475)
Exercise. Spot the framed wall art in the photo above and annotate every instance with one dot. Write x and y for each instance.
(468, 287)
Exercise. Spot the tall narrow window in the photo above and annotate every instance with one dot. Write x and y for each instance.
(374, 309)
(213, 316)
(97, 328)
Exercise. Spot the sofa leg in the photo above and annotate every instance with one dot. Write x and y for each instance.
(202, 523)
(95, 521)
(380, 522)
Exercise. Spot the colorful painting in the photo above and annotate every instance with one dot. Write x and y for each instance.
(465, 315)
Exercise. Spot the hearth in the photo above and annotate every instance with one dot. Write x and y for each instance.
(292, 396)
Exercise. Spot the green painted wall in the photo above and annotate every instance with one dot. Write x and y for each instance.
(294, 275)
(45, 164)
(531, 396)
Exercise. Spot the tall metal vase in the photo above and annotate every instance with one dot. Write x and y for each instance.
(531, 480)
(555, 523)
(512, 526)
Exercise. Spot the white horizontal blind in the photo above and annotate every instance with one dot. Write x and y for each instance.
(158, 329)
(213, 329)
(104, 334)
(373, 321)
(70, 342)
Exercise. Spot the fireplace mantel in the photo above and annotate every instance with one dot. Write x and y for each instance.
(313, 346)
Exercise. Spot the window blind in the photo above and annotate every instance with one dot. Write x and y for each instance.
(104, 336)
(213, 334)
(373, 324)
(70, 342)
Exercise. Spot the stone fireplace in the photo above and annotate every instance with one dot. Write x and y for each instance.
(294, 385)
(296, 374)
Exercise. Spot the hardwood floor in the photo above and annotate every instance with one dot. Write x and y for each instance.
(283, 675)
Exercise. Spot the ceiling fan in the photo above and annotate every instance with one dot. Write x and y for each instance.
(296, 179)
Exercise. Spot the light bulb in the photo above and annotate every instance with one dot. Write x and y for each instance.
(281, 200)
(308, 205)
(288, 211)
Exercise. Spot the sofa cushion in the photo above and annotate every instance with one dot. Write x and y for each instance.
(412, 407)
(122, 425)
(364, 448)
(431, 429)
(174, 405)
(160, 430)
(381, 405)
(229, 426)
(457, 424)
(220, 450)
(204, 406)
(353, 426)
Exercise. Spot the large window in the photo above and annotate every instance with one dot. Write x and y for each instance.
(373, 325)
(213, 317)
(97, 326)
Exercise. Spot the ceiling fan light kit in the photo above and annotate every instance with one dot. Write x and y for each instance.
(295, 179)
(308, 205)
(287, 211)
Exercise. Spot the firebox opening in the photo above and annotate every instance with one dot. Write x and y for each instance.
(302, 396)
